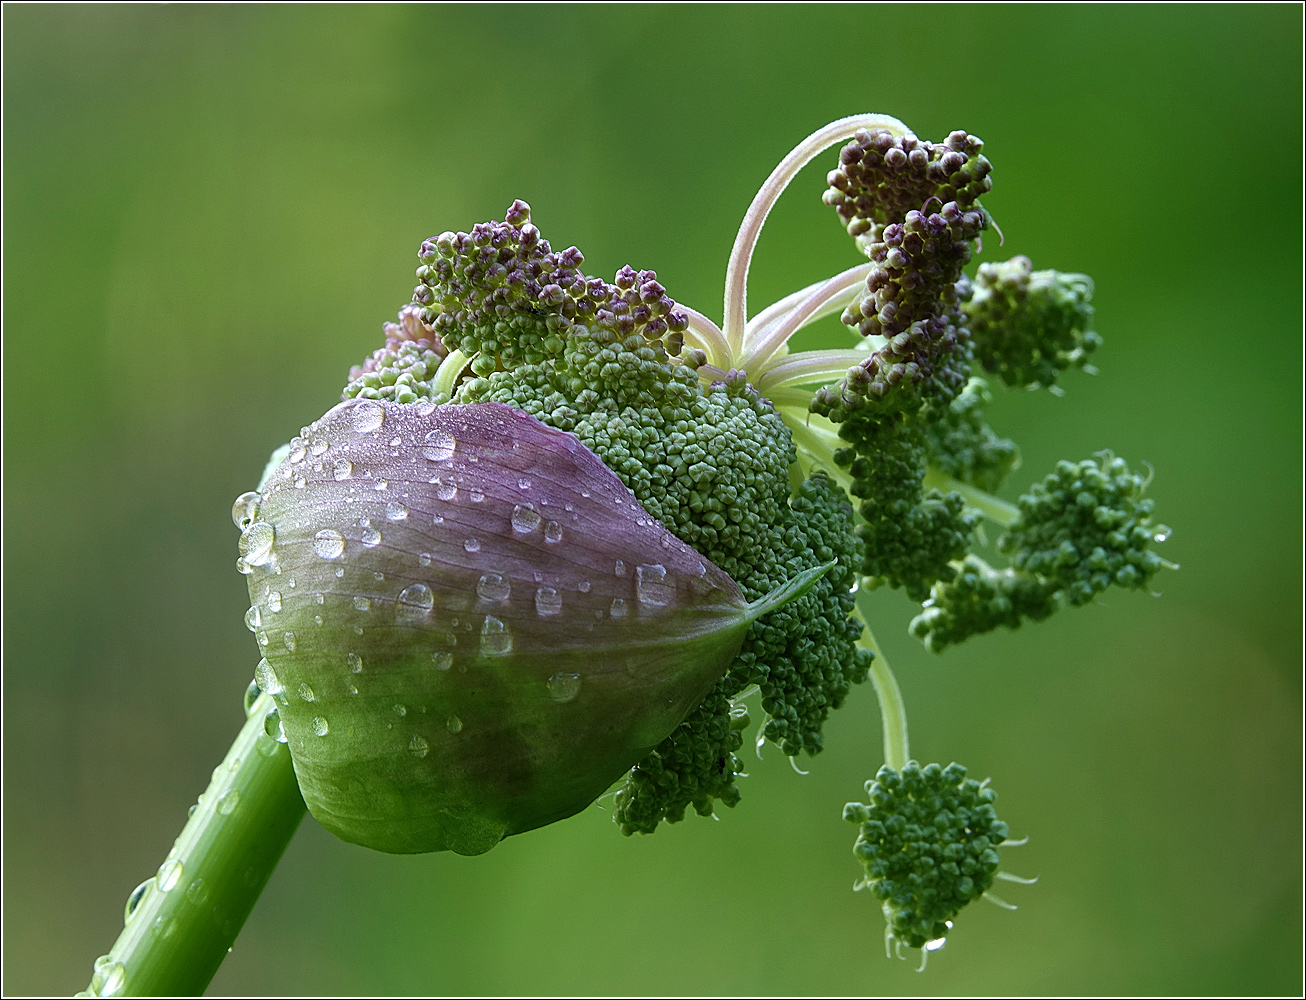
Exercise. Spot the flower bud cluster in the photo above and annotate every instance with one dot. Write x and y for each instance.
(928, 842)
(403, 369)
(1028, 326)
(963, 446)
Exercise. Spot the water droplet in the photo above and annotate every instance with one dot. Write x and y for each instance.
(228, 802)
(262, 638)
(198, 892)
(583, 586)
(163, 927)
(453, 724)
(524, 519)
(355, 663)
(395, 511)
(547, 601)
(496, 640)
(443, 660)
(476, 495)
(418, 747)
(320, 726)
(437, 519)
(244, 510)
(253, 619)
(251, 695)
(266, 678)
(318, 445)
(401, 710)
(564, 687)
(288, 639)
(651, 586)
(300, 482)
(297, 451)
(168, 875)
(340, 572)
(1162, 533)
(306, 692)
(329, 544)
(493, 587)
(272, 726)
(109, 979)
(134, 900)
(396, 441)
(620, 568)
(438, 445)
(553, 532)
(368, 416)
(424, 560)
(370, 536)
(472, 544)
(381, 484)
(256, 543)
(618, 609)
(243, 567)
(352, 689)
(319, 598)
(445, 491)
(342, 470)
(362, 603)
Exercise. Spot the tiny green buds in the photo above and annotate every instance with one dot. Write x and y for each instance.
(928, 843)
(470, 626)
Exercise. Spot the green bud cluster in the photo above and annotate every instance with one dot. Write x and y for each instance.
(1084, 528)
(928, 841)
(1028, 326)
(963, 446)
(402, 371)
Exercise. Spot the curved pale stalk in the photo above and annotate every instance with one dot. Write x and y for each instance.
(741, 254)
(707, 336)
(450, 370)
(831, 296)
(807, 367)
(893, 712)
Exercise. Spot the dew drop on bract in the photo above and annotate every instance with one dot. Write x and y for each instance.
(547, 601)
(297, 451)
(329, 544)
(134, 900)
(253, 619)
(288, 640)
(318, 445)
(163, 927)
(400, 710)
(418, 747)
(355, 663)
(476, 495)
(496, 640)
(553, 532)
(362, 603)
(415, 601)
(306, 692)
(445, 491)
(272, 726)
(584, 586)
(493, 587)
(244, 509)
(524, 519)
(274, 601)
(395, 511)
(109, 979)
(443, 660)
(620, 568)
(652, 587)
(370, 536)
(266, 678)
(564, 687)
(168, 875)
(342, 470)
(368, 416)
(424, 560)
(438, 445)
(618, 609)
(256, 543)
(472, 544)
(453, 724)
(228, 802)
(320, 726)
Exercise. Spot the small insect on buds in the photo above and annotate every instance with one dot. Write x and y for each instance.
(469, 624)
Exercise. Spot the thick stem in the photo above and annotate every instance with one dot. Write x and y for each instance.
(181, 922)
(994, 508)
(893, 713)
(741, 255)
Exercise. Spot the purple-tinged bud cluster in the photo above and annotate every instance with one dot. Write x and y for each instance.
(880, 178)
(502, 294)
(402, 370)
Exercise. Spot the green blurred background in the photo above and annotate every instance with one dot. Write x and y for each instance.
(209, 212)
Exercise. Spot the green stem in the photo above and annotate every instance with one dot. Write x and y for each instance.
(186, 917)
(995, 509)
(893, 713)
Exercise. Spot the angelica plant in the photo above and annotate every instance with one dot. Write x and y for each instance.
(558, 530)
